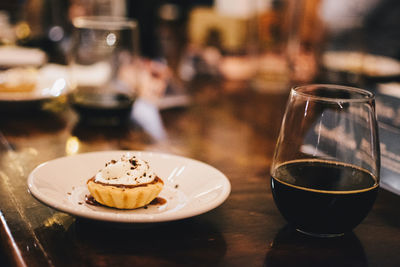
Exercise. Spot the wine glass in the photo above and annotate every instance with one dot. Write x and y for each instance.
(325, 170)
(104, 65)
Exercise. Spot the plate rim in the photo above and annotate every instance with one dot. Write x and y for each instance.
(128, 218)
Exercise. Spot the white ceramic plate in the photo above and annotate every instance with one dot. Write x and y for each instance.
(191, 187)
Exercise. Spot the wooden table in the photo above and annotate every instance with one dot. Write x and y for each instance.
(234, 130)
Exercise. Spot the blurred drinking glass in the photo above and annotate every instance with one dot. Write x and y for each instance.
(103, 64)
(325, 171)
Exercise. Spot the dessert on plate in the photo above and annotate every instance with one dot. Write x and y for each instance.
(127, 183)
(18, 80)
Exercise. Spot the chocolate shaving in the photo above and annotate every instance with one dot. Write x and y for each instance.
(133, 162)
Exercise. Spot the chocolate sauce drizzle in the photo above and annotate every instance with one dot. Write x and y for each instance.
(156, 179)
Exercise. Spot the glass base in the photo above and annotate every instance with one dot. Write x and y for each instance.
(319, 235)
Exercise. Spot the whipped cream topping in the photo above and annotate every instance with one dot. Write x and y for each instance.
(129, 170)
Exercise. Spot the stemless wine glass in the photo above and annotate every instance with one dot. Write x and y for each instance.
(103, 66)
(325, 170)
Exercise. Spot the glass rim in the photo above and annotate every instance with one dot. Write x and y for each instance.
(104, 22)
(366, 95)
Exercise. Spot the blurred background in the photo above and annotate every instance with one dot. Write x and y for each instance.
(262, 45)
(279, 41)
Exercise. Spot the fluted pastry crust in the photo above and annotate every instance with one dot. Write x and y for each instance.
(125, 197)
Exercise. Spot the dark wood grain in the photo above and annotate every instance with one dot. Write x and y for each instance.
(233, 130)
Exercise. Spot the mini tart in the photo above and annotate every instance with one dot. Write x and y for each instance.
(22, 87)
(125, 196)
(18, 80)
